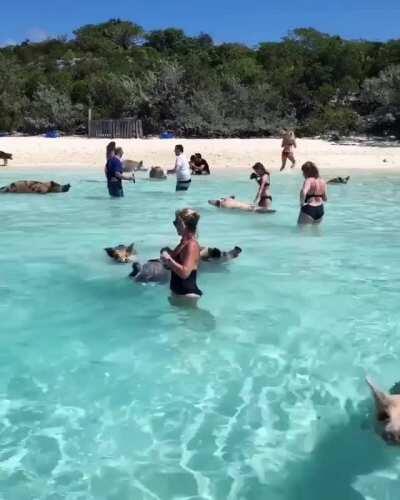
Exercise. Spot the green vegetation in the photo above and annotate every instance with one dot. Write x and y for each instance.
(313, 82)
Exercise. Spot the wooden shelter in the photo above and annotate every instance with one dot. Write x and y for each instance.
(124, 128)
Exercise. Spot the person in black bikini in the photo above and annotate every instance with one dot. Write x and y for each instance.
(184, 260)
(312, 195)
(261, 175)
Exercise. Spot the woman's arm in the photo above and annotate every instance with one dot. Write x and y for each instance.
(190, 256)
(304, 191)
(264, 182)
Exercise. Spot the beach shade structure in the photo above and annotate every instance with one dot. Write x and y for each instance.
(167, 135)
(52, 134)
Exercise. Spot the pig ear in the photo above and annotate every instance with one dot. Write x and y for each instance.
(382, 399)
(110, 252)
(130, 248)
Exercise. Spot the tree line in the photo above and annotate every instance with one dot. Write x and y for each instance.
(312, 82)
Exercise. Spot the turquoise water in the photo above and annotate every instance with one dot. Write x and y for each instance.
(108, 392)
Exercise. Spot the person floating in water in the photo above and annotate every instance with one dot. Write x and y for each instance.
(263, 197)
(181, 169)
(288, 143)
(115, 175)
(312, 195)
(184, 260)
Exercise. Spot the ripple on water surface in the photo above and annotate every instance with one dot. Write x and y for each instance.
(108, 392)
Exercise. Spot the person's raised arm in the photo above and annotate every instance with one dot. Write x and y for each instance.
(190, 257)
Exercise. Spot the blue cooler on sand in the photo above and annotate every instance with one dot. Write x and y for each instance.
(167, 135)
(52, 134)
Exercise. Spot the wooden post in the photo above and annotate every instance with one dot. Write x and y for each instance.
(89, 122)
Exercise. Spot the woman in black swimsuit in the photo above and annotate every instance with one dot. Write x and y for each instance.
(261, 175)
(184, 260)
(312, 195)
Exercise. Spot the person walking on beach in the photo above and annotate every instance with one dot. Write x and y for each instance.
(288, 143)
(181, 169)
(184, 260)
(312, 195)
(263, 196)
(115, 175)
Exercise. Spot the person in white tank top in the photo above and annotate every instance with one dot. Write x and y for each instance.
(182, 170)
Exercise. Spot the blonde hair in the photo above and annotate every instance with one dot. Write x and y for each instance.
(189, 217)
(289, 134)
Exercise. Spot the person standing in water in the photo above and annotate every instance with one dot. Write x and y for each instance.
(184, 260)
(288, 143)
(263, 197)
(312, 195)
(181, 169)
(115, 175)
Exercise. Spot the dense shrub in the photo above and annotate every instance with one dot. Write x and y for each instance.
(309, 80)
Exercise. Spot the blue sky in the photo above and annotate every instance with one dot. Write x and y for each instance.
(248, 21)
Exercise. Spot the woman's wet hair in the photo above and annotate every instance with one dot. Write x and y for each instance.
(189, 217)
(310, 169)
(260, 169)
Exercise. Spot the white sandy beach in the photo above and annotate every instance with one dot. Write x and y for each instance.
(69, 152)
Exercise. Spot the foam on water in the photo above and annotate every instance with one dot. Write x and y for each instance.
(108, 392)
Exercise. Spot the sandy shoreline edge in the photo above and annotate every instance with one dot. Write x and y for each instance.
(77, 152)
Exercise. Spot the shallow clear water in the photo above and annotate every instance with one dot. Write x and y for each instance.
(108, 392)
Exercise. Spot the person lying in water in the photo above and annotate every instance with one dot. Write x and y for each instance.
(339, 180)
(234, 204)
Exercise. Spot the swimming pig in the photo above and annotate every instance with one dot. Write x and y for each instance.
(122, 253)
(208, 254)
(154, 271)
(339, 180)
(387, 414)
(35, 187)
(157, 173)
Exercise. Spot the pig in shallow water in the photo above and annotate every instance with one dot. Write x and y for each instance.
(387, 414)
(153, 271)
(35, 187)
